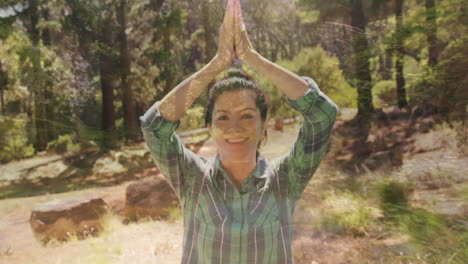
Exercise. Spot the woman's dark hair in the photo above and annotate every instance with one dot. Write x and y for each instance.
(236, 79)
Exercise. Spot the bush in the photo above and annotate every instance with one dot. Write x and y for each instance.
(439, 241)
(325, 70)
(193, 119)
(13, 139)
(63, 144)
(347, 214)
(385, 93)
(393, 199)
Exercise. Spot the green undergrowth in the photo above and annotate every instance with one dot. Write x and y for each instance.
(378, 205)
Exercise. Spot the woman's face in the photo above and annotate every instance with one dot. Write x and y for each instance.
(237, 126)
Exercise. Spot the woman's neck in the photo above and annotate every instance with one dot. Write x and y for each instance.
(239, 169)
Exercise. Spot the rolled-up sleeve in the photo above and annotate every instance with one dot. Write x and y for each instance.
(152, 121)
(167, 151)
(301, 162)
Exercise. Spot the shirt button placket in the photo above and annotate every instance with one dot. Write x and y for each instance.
(235, 240)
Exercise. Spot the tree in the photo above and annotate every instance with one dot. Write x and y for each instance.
(352, 13)
(210, 45)
(38, 90)
(3, 87)
(400, 78)
(131, 126)
(431, 32)
(361, 60)
(94, 24)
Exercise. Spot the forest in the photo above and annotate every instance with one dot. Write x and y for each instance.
(76, 75)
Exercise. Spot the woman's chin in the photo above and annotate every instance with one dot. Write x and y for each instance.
(237, 152)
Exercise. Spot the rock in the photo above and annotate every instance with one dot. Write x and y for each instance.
(122, 161)
(58, 219)
(150, 198)
(380, 159)
(426, 124)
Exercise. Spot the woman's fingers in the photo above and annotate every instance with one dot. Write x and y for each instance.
(226, 35)
(229, 13)
(238, 12)
(238, 22)
(242, 42)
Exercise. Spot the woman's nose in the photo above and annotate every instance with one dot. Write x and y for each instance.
(235, 126)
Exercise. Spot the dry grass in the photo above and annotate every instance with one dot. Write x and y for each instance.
(363, 239)
(141, 242)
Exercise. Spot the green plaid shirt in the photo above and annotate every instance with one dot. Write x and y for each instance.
(254, 224)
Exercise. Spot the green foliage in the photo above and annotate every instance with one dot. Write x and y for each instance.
(441, 240)
(346, 213)
(438, 239)
(13, 139)
(384, 92)
(194, 118)
(451, 74)
(314, 63)
(174, 213)
(422, 225)
(393, 199)
(63, 144)
(325, 70)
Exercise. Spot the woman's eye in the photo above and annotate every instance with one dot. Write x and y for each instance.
(247, 116)
(222, 117)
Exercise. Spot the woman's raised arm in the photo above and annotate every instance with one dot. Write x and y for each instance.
(174, 105)
(292, 85)
(298, 165)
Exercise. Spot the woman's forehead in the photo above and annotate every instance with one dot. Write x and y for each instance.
(238, 99)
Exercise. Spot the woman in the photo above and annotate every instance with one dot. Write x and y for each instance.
(237, 206)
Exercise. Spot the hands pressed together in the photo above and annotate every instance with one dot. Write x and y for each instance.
(233, 38)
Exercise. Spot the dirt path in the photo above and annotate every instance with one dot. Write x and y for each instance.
(151, 242)
(160, 241)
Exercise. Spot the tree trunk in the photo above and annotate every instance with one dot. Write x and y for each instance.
(400, 78)
(131, 126)
(3, 86)
(210, 47)
(39, 117)
(431, 32)
(106, 66)
(48, 93)
(388, 64)
(361, 61)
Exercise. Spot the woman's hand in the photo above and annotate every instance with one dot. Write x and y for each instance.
(226, 53)
(242, 44)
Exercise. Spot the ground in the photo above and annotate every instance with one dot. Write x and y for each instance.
(430, 164)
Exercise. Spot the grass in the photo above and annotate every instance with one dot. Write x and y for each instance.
(377, 205)
(347, 214)
(145, 240)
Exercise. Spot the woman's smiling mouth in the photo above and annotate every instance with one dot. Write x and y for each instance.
(236, 140)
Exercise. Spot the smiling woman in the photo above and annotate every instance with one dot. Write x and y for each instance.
(237, 206)
(236, 115)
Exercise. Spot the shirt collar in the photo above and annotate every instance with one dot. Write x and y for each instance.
(257, 177)
(259, 171)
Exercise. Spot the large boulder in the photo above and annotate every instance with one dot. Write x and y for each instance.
(58, 219)
(150, 198)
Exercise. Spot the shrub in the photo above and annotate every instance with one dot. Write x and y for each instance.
(385, 93)
(346, 214)
(393, 199)
(193, 119)
(63, 144)
(325, 70)
(439, 241)
(13, 139)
